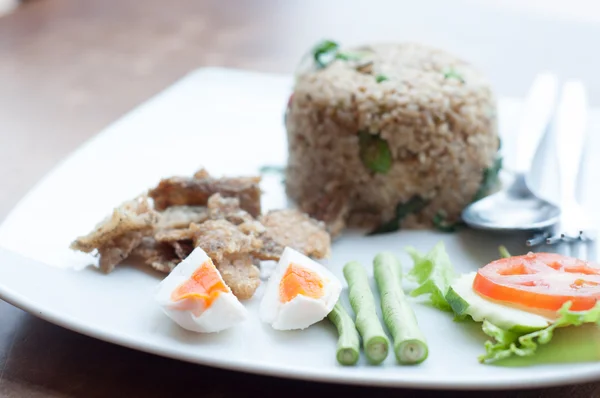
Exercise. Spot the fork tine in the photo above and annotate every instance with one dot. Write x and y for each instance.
(552, 240)
(537, 239)
(570, 238)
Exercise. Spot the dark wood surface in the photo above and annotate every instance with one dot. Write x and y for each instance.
(70, 67)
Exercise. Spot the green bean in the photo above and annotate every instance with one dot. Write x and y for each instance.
(348, 346)
(375, 342)
(410, 345)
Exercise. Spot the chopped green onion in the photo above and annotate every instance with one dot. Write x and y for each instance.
(328, 51)
(374, 152)
(414, 205)
(490, 179)
(348, 56)
(452, 74)
(440, 222)
(381, 78)
(325, 52)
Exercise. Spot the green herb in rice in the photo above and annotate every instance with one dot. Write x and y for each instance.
(325, 52)
(452, 74)
(348, 56)
(491, 178)
(441, 223)
(414, 205)
(374, 152)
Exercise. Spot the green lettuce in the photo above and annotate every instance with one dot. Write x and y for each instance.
(434, 274)
(574, 334)
(505, 344)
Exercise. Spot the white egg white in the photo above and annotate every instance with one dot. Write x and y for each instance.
(301, 311)
(224, 312)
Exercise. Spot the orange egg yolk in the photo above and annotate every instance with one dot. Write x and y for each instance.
(299, 280)
(204, 286)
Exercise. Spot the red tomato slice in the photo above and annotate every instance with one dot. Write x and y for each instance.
(543, 281)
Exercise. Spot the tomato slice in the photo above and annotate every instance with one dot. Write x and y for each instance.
(543, 281)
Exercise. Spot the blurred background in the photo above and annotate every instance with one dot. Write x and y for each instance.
(70, 67)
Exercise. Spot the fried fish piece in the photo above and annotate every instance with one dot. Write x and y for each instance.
(229, 209)
(181, 216)
(118, 234)
(220, 207)
(218, 238)
(291, 227)
(133, 215)
(183, 248)
(118, 249)
(159, 255)
(240, 274)
(176, 235)
(195, 191)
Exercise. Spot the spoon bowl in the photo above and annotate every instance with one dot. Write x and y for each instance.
(513, 209)
(516, 207)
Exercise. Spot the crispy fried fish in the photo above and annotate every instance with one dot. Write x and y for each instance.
(220, 207)
(240, 274)
(218, 238)
(195, 191)
(218, 215)
(117, 235)
(159, 255)
(183, 248)
(181, 216)
(118, 249)
(290, 227)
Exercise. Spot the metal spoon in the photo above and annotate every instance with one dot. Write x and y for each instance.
(516, 207)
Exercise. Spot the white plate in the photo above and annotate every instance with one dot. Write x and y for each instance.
(230, 122)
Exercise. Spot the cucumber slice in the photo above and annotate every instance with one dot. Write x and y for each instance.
(465, 301)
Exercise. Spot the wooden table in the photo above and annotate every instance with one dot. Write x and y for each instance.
(70, 67)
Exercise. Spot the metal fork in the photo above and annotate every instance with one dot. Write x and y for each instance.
(583, 248)
(570, 131)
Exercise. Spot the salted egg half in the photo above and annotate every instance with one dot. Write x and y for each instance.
(299, 293)
(195, 296)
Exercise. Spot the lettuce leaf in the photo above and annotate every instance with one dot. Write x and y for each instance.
(568, 345)
(434, 274)
(505, 344)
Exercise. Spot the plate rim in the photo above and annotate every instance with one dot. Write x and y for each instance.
(320, 375)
